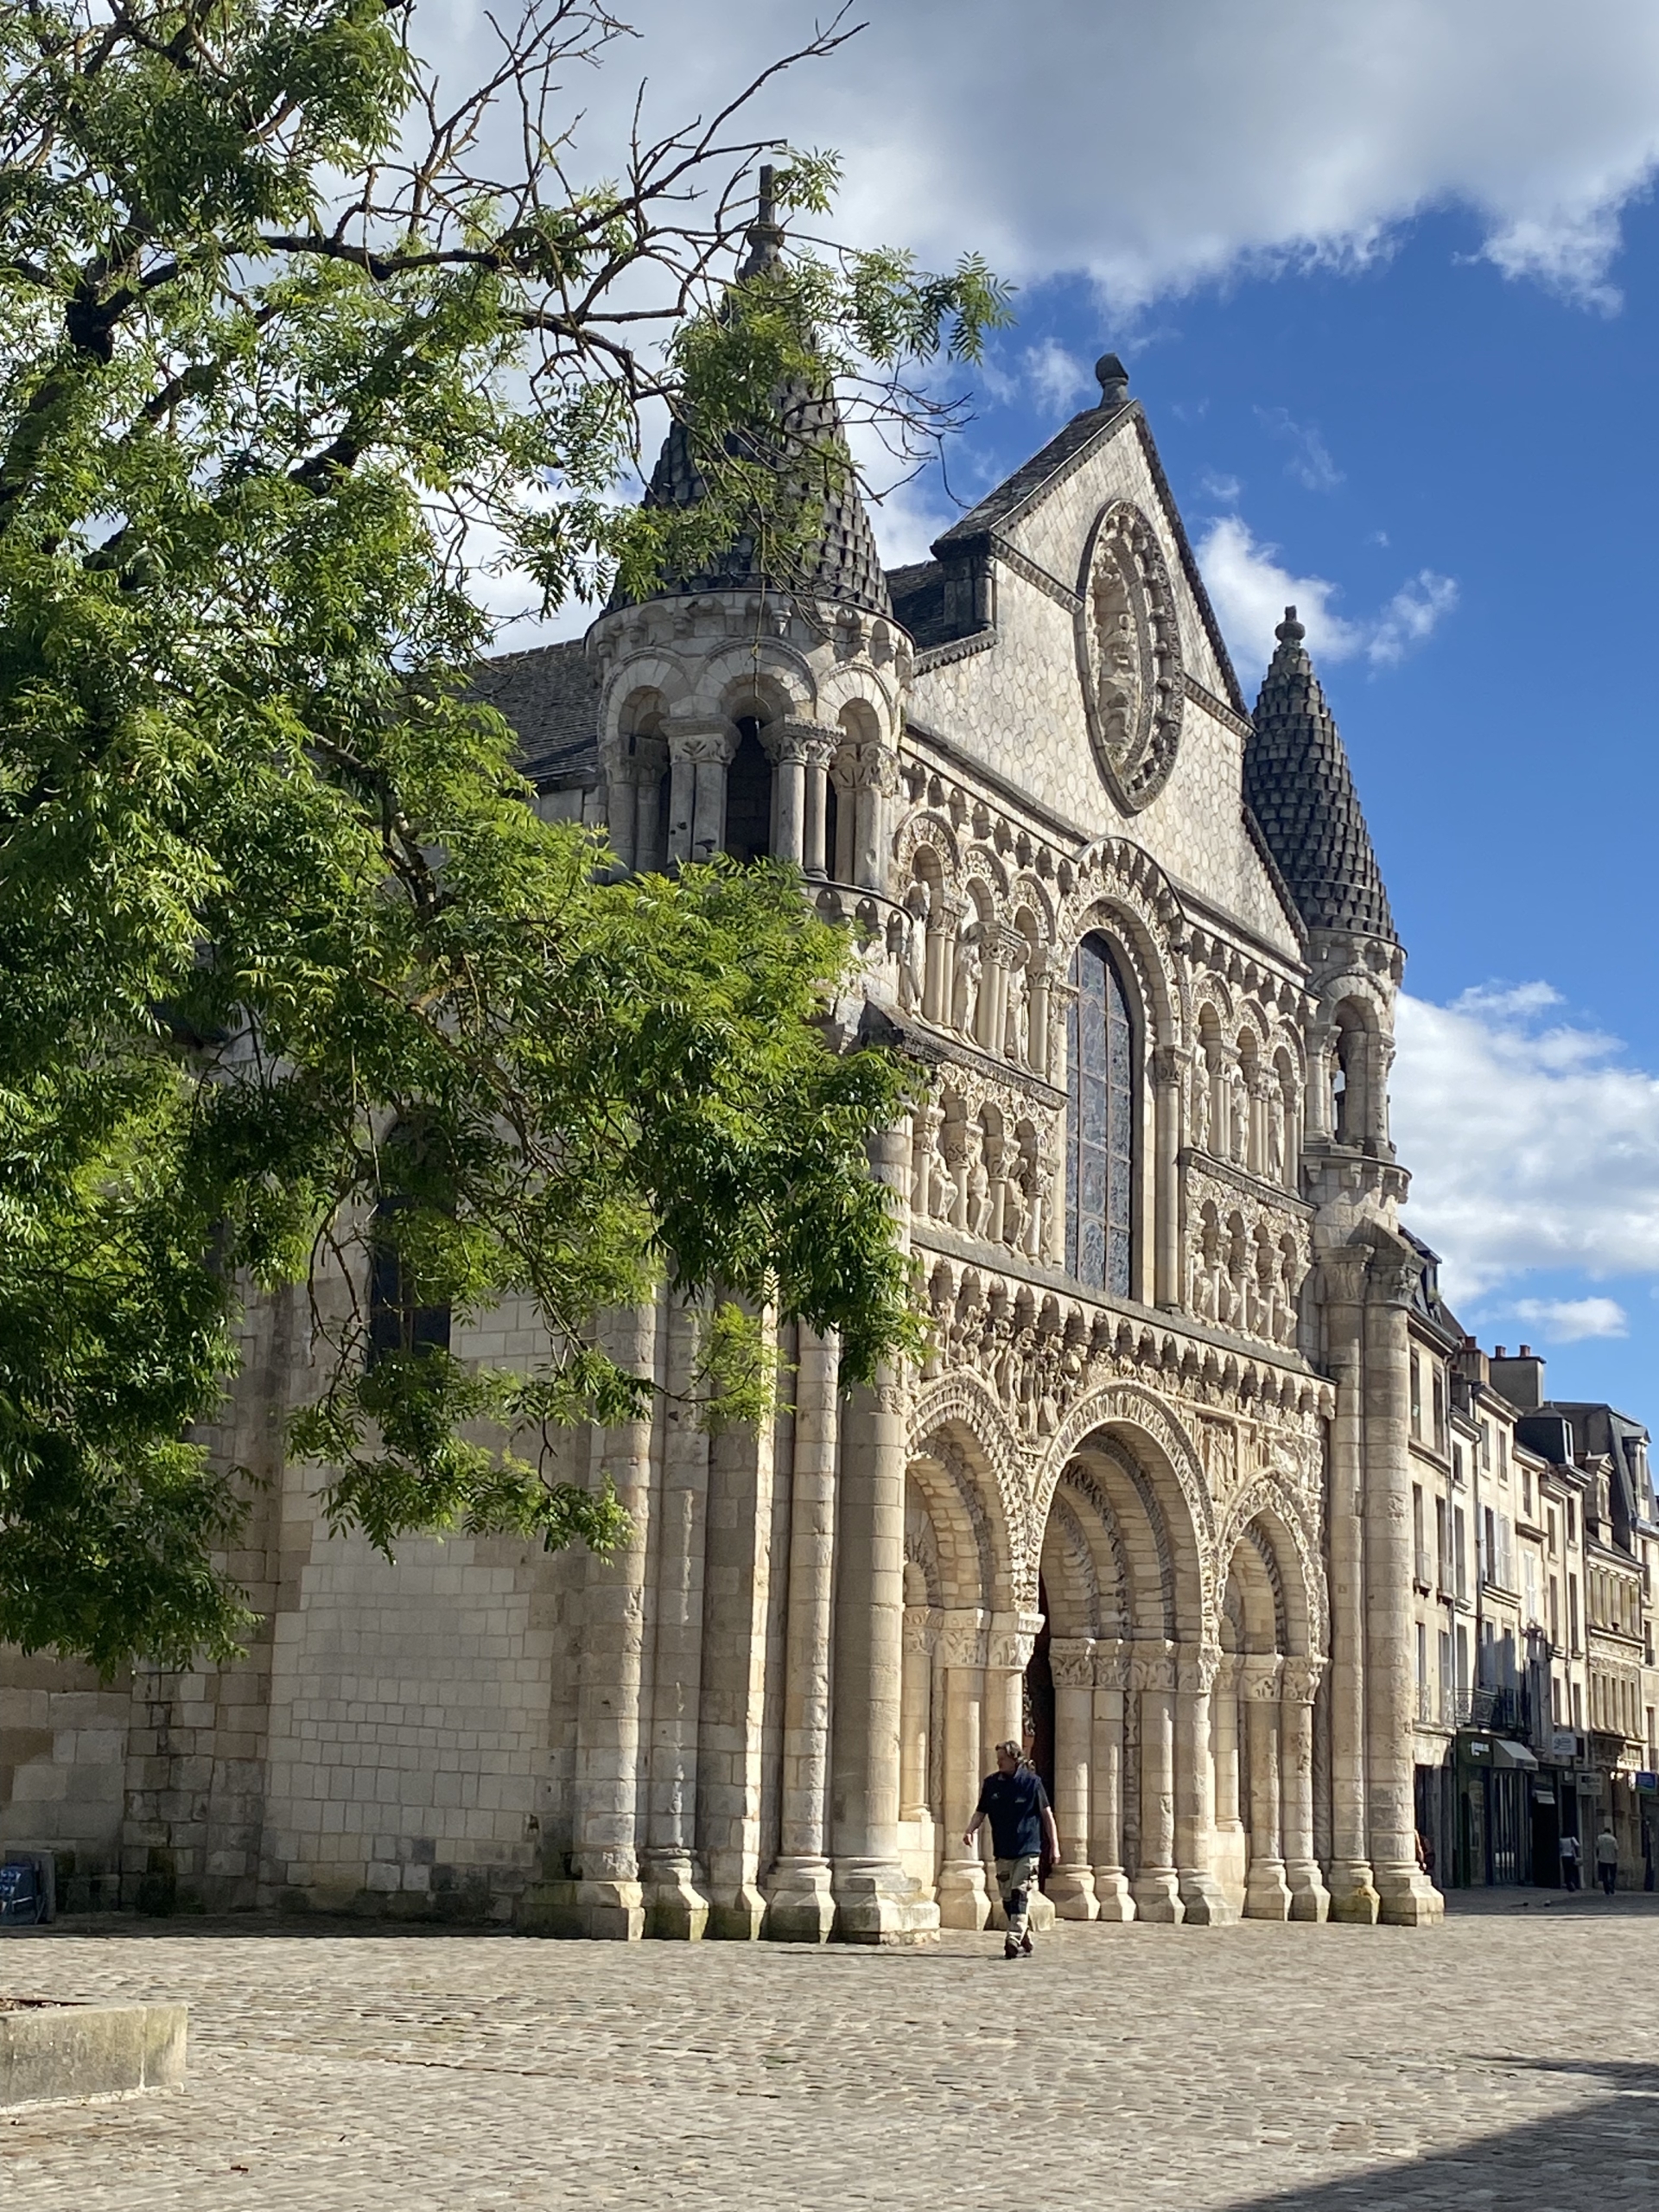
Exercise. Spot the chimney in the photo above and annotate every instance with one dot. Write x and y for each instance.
(1520, 1380)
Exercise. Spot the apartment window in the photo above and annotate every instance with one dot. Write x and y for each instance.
(1463, 1657)
(1653, 1739)
(1439, 1411)
(1554, 1610)
(1419, 1549)
(1442, 1544)
(1488, 1546)
(1572, 1531)
(1422, 1657)
(1578, 1705)
(1502, 1454)
(1461, 1556)
(1448, 1680)
(1526, 1490)
(1572, 1609)
(1416, 1395)
(1555, 1534)
(1529, 1581)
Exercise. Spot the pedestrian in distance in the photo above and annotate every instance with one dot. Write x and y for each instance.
(1570, 1857)
(1016, 1804)
(1607, 1860)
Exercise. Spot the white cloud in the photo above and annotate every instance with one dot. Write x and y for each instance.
(1567, 1320)
(1059, 380)
(1531, 1145)
(1310, 462)
(1223, 489)
(1154, 147)
(1251, 589)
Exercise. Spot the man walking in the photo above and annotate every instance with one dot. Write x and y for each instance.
(1607, 1859)
(1015, 1803)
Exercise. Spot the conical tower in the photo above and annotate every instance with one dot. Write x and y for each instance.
(752, 713)
(1299, 786)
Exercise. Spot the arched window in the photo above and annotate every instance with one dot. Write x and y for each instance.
(1100, 1133)
(748, 796)
(397, 1322)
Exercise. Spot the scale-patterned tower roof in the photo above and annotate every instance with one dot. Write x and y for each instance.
(1299, 786)
(842, 563)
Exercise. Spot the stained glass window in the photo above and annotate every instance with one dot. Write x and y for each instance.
(1100, 1205)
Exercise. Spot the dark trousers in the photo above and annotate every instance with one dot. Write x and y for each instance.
(1609, 1878)
(1569, 1873)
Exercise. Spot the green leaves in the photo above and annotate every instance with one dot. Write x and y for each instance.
(292, 971)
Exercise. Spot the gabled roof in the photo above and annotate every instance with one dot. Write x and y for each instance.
(550, 696)
(1300, 788)
(1042, 474)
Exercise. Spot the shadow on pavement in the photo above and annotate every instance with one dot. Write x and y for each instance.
(1596, 2156)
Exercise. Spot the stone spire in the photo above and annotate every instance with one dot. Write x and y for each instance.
(1299, 786)
(843, 564)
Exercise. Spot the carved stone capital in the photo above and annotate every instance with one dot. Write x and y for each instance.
(1071, 1662)
(1152, 1668)
(1195, 1670)
(704, 739)
(1259, 1676)
(1169, 1064)
(793, 741)
(1300, 1683)
(963, 1635)
(921, 1629)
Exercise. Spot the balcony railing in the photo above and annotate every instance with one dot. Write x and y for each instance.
(1485, 1708)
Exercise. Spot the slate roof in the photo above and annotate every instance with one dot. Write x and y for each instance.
(550, 696)
(1299, 786)
(843, 565)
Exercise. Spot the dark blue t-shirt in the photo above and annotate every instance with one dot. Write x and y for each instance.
(1014, 1805)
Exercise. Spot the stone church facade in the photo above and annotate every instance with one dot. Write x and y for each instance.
(1146, 1503)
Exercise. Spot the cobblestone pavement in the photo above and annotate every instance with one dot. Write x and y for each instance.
(1509, 2059)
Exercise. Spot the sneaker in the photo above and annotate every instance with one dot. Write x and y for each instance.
(1026, 1944)
(1011, 1950)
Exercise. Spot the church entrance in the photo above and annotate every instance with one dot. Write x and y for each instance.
(1038, 1728)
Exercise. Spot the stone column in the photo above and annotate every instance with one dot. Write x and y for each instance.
(799, 1907)
(1043, 966)
(621, 799)
(1168, 1072)
(1317, 1105)
(963, 1899)
(1014, 1639)
(787, 745)
(820, 751)
(606, 1899)
(875, 777)
(1309, 1898)
(915, 1700)
(944, 919)
(1157, 1889)
(875, 1901)
(650, 761)
(736, 1609)
(1408, 1898)
(1267, 1894)
(713, 757)
(1112, 1899)
(1071, 1882)
(1226, 1725)
(1353, 1895)
(1206, 1902)
(676, 1901)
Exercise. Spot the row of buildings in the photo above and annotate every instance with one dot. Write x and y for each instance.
(1535, 1586)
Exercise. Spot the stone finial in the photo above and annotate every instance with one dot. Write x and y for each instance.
(766, 233)
(1290, 631)
(1113, 380)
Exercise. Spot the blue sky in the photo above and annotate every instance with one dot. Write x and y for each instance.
(1386, 275)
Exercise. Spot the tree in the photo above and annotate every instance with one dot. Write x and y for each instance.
(292, 969)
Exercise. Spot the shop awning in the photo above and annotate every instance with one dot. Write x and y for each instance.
(1505, 1753)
